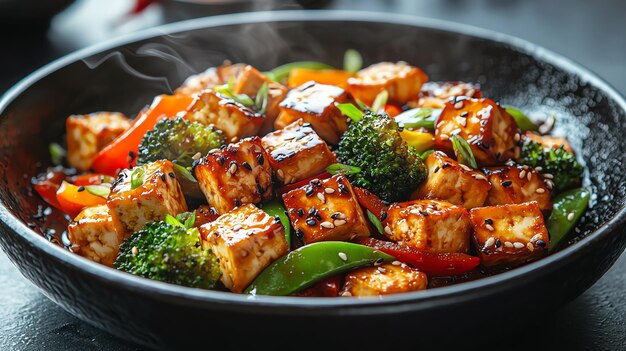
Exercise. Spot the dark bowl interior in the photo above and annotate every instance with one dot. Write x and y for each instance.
(126, 74)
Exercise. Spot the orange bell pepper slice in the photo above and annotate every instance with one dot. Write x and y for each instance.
(116, 155)
(299, 76)
(392, 110)
(73, 201)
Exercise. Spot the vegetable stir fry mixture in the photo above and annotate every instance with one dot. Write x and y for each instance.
(309, 180)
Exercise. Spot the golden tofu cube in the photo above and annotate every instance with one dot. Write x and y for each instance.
(88, 134)
(315, 103)
(488, 128)
(210, 78)
(157, 195)
(402, 81)
(234, 119)
(549, 141)
(326, 210)
(453, 182)
(383, 280)
(92, 235)
(516, 184)
(249, 82)
(509, 234)
(245, 240)
(296, 152)
(235, 175)
(436, 94)
(429, 225)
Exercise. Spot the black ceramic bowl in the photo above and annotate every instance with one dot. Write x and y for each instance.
(125, 74)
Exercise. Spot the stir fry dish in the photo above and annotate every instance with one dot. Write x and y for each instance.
(309, 180)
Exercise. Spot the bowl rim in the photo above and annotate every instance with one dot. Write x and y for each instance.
(227, 300)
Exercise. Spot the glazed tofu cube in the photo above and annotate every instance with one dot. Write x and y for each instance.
(88, 134)
(509, 234)
(453, 182)
(429, 225)
(92, 235)
(249, 82)
(402, 81)
(436, 94)
(549, 141)
(235, 175)
(488, 128)
(383, 280)
(296, 152)
(234, 119)
(516, 184)
(245, 240)
(326, 210)
(210, 78)
(158, 195)
(315, 103)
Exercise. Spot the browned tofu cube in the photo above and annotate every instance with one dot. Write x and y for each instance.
(549, 141)
(429, 225)
(488, 128)
(92, 235)
(402, 81)
(249, 82)
(516, 184)
(453, 182)
(509, 234)
(326, 210)
(88, 134)
(315, 103)
(390, 278)
(436, 94)
(296, 152)
(210, 78)
(234, 119)
(245, 240)
(235, 175)
(158, 195)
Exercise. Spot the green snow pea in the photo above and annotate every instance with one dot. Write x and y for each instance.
(567, 209)
(275, 208)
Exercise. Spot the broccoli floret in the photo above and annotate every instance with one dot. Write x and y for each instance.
(558, 162)
(169, 251)
(178, 140)
(389, 167)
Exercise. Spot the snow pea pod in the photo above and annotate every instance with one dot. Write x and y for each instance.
(275, 208)
(303, 267)
(567, 209)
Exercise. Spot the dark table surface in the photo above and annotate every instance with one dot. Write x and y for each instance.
(591, 33)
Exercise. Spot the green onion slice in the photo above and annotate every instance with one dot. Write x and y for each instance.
(426, 153)
(136, 178)
(57, 153)
(523, 122)
(184, 173)
(463, 151)
(352, 61)
(98, 190)
(418, 118)
(261, 99)
(337, 168)
(351, 111)
(380, 101)
(375, 221)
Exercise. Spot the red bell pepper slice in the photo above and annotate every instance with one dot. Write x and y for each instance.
(443, 264)
(370, 201)
(328, 287)
(115, 156)
(47, 187)
(392, 110)
(289, 187)
(72, 200)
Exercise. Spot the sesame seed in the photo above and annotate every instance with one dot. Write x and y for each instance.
(518, 245)
(381, 270)
(338, 215)
(246, 165)
(172, 175)
(548, 176)
(327, 225)
(508, 244)
(458, 105)
(396, 263)
(530, 247)
(498, 243)
(464, 114)
(232, 169)
(308, 190)
(445, 165)
(80, 189)
(462, 121)
(541, 243)
(387, 230)
(489, 221)
(163, 176)
(522, 174)
(343, 189)
(234, 139)
(343, 256)
(339, 222)
(517, 137)
(540, 190)
(221, 159)
(280, 174)
(379, 261)
(465, 167)
(414, 211)
(300, 212)
(436, 169)
(480, 177)
(549, 184)
(237, 228)
(507, 183)
(321, 197)
(444, 137)
(134, 250)
(196, 156)
(346, 294)
(310, 222)
(383, 215)
(529, 176)
(570, 216)
(490, 242)
(538, 169)
(329, 190)
(489, 227)
(260, 159)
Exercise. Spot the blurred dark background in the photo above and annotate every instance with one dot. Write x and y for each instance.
(592, 33)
